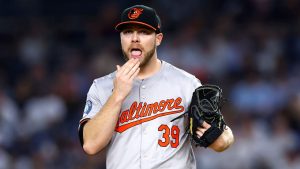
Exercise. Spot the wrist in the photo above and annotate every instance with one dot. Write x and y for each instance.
(116, 98)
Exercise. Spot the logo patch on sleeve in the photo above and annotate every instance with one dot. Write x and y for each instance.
(88, 107)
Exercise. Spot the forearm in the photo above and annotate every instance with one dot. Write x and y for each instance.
(98, 131)
(224, 140)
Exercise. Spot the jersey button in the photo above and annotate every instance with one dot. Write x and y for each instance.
(143, 87)
(145, 131)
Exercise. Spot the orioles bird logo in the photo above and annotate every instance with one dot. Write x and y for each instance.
(134, 13)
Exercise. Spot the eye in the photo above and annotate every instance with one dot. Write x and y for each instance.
(125, 32)
(145, 32)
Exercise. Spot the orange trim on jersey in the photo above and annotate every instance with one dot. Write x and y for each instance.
(136, 22)
(122, 128)
(83, 120)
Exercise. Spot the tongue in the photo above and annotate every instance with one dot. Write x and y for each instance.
(136, 52)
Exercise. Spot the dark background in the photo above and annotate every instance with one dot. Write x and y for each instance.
(50, 52)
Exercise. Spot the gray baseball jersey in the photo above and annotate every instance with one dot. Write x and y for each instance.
(145, 137)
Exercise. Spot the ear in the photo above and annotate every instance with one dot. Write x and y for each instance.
(158, 38)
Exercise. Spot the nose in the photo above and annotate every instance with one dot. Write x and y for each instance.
(135, 37)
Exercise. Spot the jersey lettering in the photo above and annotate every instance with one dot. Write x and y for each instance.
(139, 113)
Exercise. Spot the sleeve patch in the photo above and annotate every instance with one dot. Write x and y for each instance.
(88, 107)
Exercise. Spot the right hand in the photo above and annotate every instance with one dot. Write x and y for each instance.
(124, 78)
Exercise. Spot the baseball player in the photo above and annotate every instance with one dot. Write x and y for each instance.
(130, 110)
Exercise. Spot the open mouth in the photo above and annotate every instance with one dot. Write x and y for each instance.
(136, 53)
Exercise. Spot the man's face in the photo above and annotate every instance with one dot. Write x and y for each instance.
(139, 42)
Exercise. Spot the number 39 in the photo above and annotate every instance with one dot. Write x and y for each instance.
(170, 136)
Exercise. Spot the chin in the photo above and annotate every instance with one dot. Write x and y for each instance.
(137, 57)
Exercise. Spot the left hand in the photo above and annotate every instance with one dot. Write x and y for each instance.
(201, 129)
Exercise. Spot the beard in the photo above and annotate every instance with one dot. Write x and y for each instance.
(145, 60)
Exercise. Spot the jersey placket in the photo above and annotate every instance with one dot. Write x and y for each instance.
(145, 140)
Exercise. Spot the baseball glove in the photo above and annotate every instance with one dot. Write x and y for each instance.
(205, 106)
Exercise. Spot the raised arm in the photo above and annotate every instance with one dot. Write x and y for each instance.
(98, 131)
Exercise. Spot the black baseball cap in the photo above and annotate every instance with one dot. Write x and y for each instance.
(142, 15)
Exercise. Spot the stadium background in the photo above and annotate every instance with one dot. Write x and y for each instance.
(50, 51)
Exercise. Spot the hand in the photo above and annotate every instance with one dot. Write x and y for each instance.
(124, 78)
(200, 130)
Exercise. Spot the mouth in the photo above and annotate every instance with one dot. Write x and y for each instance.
(136, 53)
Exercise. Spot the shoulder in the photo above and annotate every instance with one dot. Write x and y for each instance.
(105, 79)
(104, 82)
(179, 74)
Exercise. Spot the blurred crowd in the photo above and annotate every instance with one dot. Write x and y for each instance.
(50, 52)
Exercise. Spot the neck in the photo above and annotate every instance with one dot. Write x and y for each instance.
(152, 67)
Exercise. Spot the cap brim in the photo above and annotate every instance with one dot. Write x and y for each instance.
(119, 27)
